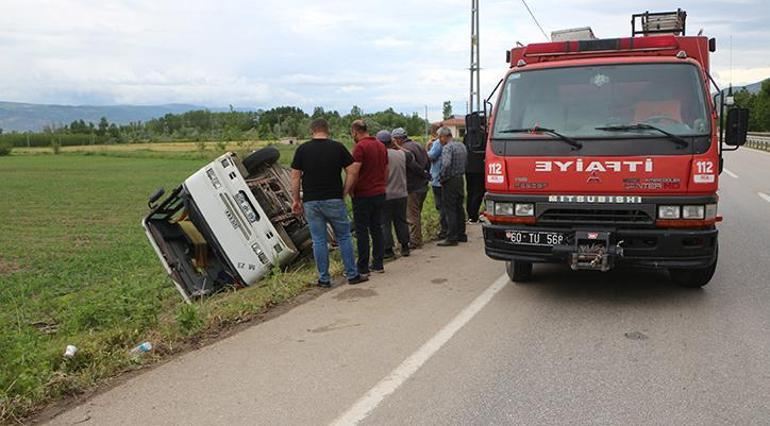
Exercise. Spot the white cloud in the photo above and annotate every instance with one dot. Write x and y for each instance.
(334, 53)
(392, 42)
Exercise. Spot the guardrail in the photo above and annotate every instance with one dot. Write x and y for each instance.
(759, 141)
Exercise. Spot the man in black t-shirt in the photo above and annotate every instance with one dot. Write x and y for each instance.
(317, 167)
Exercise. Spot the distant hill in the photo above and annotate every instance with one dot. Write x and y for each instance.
(752, 88)
(22, 117)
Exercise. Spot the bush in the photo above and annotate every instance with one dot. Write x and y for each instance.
(5, 149)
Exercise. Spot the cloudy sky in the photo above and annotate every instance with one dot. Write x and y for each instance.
(332, 53)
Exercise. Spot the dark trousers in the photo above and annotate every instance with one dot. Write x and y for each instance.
(394, 215)
(367, 215)
(441, 212)
(452, 197)
(474, 187)
(414, 203)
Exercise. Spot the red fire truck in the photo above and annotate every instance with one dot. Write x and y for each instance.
(607, 152)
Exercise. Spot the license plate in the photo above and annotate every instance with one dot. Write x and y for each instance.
(529, 238)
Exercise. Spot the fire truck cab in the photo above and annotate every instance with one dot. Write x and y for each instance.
(606, 152)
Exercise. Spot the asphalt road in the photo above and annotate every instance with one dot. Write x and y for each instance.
(442, 338)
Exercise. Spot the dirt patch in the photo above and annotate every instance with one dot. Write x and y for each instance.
(439, 280)
(8, 267)
(355, 293)
(336, 325)
(636, 335)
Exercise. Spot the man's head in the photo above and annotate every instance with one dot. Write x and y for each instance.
(359, 130)
(444, 135)
(399, 135)
(385, 137)
(319, 128)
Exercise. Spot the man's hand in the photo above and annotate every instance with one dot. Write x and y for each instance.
(428, 145)
(296, 182)
(297, 208)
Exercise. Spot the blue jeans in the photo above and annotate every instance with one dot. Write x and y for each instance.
(332, 212)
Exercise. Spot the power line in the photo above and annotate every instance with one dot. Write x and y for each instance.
(535, 19)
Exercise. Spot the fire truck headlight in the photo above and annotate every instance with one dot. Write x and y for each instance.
(503, 209)
(693, 212)
(711, 211)
(668, 212)
(527, 209)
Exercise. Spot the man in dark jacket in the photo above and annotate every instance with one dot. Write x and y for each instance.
(474, 172)
(417, 174)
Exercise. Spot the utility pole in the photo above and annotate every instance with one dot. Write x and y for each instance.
(475, 88)
(427, 124)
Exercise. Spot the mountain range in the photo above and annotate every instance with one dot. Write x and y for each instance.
(21, 117)
(15, 116)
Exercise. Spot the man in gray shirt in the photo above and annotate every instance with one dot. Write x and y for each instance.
(454, 157)
(394, 213)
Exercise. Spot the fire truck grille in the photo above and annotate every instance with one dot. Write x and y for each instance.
(595, 216)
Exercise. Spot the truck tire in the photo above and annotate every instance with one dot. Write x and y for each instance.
(260, 158)
(694, 278)
(301, 238)
(519, 271)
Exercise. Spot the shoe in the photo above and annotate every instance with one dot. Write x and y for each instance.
(463, 239)
(380, 270)
(389, 255)
(405, 251)
(324, 284)
(473, 221)
(358, 280)
(415, 246)
(447, 243)
(441, 236)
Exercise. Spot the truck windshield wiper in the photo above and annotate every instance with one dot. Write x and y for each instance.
(681, 142)
(576, 144)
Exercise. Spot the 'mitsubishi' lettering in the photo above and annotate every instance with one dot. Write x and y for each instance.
(646, 166)
(598, 199)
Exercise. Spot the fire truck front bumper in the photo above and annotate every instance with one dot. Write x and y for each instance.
(602, 248)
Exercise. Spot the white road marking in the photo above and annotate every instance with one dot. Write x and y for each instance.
(367, 403)
(764, 196)
(731, 174)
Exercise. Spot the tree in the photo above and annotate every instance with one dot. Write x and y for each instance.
(114, 131)
(447, 110)
(356, 112)
(103, 126)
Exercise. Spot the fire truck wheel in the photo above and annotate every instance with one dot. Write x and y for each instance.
(693, 278)
(519, 271)
(260, 158)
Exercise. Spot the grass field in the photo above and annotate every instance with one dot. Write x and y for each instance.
(76, 268)
(159, 147)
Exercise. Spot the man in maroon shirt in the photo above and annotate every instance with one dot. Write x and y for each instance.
(370, 161)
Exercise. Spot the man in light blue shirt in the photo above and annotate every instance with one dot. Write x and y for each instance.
(434, 154)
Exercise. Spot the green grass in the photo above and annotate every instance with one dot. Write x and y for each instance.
(76, 268)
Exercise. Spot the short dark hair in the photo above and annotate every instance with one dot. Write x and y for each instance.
(319, 125)
(359, 126)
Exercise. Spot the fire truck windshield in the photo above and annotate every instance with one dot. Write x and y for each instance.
(603, 101)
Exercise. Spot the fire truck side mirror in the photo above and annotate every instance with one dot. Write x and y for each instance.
(712, 45)
(476, 132)
(737, 126)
